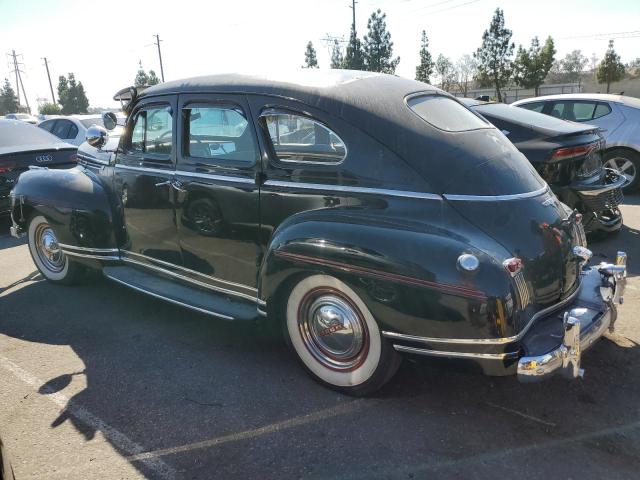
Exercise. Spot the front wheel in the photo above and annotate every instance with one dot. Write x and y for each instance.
(336, 337)
(50, 260)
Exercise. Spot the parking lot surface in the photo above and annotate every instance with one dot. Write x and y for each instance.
(99, 381)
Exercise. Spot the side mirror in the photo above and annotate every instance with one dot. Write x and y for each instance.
(96, 136)
(110, 120)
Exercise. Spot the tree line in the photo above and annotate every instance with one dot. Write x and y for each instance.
(496, 63)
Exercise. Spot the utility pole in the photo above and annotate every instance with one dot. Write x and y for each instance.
(353, 7)
(157, 42)
(17, 71)
(46, 65)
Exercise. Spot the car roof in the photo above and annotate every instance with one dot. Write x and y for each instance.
(329, 90)
(604, 97)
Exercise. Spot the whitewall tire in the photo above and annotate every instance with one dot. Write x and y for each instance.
(50, 260)
(336, 337)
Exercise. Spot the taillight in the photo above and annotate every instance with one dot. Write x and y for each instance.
(513, 265)
(572, 152)
(5, 169)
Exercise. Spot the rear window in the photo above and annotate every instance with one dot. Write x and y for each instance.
(19, 134)
(445, 113)
(533, 106)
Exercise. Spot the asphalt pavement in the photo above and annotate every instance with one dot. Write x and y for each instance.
(101, 382)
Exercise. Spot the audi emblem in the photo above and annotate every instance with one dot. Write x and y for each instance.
(44, 158)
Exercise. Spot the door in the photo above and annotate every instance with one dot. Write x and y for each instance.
(143, 177)
(217, 196)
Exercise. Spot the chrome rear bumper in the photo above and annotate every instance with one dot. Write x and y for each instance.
(582, 327)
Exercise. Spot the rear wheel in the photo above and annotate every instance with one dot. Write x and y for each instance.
(626, 163)
(49, 258)
(336, 337)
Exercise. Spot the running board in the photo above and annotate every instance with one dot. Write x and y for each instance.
(194, 298)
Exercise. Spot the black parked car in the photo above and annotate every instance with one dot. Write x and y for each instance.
(22, 146)
(367, 224)
(568, 156)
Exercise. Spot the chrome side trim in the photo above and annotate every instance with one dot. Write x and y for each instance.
(439, 353)
(495, 198)
(261, 312)
(483, 341)
(178, 267)
(190, 280)
(348, 189)
(110, 258)
(86, 249)
(184, 173)
(170, 300)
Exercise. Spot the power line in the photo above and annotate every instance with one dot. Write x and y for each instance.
(449, 8)
(631, 34)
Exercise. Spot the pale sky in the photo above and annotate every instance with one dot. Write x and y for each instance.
(102, 42)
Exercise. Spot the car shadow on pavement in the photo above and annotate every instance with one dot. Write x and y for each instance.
(163, 377)
(6, 240)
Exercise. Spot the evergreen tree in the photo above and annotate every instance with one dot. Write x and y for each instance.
(611, 69)
(153, 78)
(337, 58)
(532, 66)
(310, 58)
(377, 45)
(142, 79)
(494, 55)
(71, 95)
(354, 58)
(8, 99)
(425, 69)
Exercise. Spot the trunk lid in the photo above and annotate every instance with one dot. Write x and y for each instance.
(13, 164)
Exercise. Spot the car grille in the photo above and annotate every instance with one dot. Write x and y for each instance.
(604, 201)
(522, 289)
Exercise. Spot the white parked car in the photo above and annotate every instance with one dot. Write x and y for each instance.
(23, 117)
(71, 129)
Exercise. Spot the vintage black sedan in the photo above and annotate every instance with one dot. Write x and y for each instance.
(23, 146)
(370, 215)
(568, 156)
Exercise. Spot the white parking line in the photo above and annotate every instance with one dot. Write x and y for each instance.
(118, 439)
(348, 407)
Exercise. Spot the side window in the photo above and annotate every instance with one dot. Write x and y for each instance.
(296, 138)
(583, 111)
(158, 134)
(533, 106)
(73, 131)
(557, 110)
(602, 109)
(47, 125)
(152, 131)
(219, 132)
(61, 129)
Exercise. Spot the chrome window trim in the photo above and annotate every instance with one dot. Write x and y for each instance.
(348, 189)
(440, 353)
(110, 258)
(191, 280)
(495, 198)
(178, 267)
(170, 300)
(484, 341)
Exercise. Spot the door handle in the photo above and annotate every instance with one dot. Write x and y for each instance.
(162, 184)
(177, 185)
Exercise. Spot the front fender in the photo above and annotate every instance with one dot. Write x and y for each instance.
(74, 202)
(407, 275)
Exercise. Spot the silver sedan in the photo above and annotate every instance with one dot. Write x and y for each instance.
(617, 115)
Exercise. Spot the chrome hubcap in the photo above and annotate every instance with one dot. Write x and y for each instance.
(48, 249)
(624, 167)
(333, 329)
